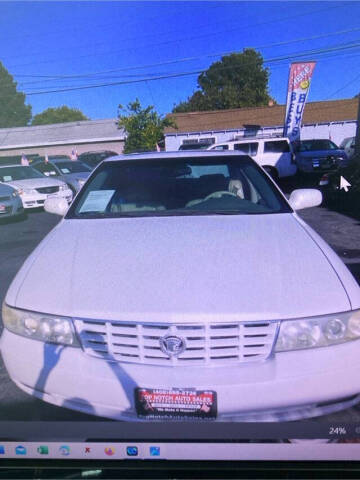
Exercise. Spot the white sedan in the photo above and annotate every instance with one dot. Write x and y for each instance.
(190, 289)
(33, 187)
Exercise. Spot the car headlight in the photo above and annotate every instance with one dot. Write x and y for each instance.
(81, 182)
(340, 158)
(16, 193)
(38, 326)
(29, 191)
(318, 331)
(63, 187)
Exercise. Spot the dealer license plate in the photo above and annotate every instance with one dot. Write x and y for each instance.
(175, 402)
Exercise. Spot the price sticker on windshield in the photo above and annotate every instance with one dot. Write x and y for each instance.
(97, 201)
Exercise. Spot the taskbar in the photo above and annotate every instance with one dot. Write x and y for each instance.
(301, 450)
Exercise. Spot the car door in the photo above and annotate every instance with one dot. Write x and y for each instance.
(277, 153)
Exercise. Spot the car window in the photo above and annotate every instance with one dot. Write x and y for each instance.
(247, 148)
(276, 146)
(47, 169)
(345, 142)
(193, 146)
(72, 167)
(191, 186)
(220, 147)
(9, 174)
(311, 145)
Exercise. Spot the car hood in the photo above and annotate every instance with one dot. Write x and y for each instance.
(36, 183)
(6, 189)
(254, 267)
(322, 153)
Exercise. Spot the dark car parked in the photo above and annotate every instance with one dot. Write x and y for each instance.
(92, 159)
(319, 155)
(347, 197)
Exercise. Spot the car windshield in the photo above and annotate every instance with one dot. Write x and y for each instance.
(92, 161)
(9, 174)
(190, 186)
(347, 140)
(193, 146)
(311, 145)
(72, 167)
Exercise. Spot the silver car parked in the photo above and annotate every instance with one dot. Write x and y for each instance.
(72, 172)
(10, 202)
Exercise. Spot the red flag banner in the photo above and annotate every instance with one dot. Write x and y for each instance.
(298, 88)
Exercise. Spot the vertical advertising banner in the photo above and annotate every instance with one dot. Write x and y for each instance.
(298, 89)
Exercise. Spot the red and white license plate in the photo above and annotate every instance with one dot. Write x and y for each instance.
(175, 402)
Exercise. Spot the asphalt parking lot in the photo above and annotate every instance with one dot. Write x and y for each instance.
(18, 239)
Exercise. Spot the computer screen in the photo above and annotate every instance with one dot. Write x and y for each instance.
(170, 302)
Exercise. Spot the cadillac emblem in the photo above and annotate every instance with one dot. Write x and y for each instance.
(172, 346)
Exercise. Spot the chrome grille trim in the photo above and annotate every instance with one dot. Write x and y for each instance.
(206, 344)
(48, 189)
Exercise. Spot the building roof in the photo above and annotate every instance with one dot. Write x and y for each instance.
(315, 112)
(88, 131)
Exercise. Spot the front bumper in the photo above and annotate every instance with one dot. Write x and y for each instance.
(38, 200)
(288, 386)
(321, 165)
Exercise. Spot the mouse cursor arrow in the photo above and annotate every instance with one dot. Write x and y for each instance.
(344, 184)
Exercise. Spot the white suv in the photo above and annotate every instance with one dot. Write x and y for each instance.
(275, 154)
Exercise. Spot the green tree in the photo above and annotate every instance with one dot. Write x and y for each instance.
(144, 127)
(13, 111)
(62, 114)
(237, 80)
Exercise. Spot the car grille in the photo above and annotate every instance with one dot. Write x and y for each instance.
(47, 189)
(213, 343)
(5, 199)
(325, 162)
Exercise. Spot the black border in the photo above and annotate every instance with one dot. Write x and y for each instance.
(166, 469)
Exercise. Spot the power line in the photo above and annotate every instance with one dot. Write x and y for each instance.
(183, 74)
(58, 89)
(181, 60)
(344, 86)
(194, 37)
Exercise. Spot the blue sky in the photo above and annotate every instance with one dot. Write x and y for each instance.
(43, 39)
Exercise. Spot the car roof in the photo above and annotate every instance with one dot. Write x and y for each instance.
(97, 152)
(174, 155)
(14, 166)
(251, 139)
(315, 139)
(53, 160)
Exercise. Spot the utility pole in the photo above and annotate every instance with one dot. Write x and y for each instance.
(357, 135)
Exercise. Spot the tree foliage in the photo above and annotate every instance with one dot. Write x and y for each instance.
(62, 114)
(144, 127)
(237, 80)
(13, 111)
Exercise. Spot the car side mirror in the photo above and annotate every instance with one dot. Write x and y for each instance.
(56, 205)
(305, 198)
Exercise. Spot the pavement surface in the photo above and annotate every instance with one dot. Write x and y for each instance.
(19, 238)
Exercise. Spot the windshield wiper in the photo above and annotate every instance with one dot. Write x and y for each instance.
(92, 213)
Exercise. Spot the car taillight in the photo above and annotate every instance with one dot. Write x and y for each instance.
(324, 180)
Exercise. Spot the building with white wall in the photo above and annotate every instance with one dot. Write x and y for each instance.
(62, 138)
(334, 119)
